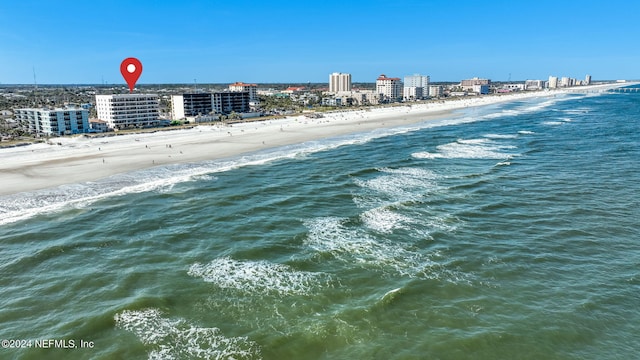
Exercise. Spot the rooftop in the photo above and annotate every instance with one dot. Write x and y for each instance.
(240, 83)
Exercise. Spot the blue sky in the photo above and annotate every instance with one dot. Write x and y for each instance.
(71, 42)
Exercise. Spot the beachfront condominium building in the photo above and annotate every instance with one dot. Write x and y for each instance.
(226, 102)
(468, 84)
(587, 80)
(339, 82)
(553, 82)
(534, 85)
(412, 93)
(417, 81)
(389, 89)
(203, 104)
(62, 121)
(122, 111)
(252, 89)
(436, 91)
(191, 104)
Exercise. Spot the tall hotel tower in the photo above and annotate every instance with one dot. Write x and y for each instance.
(390, 89)
(339, 82)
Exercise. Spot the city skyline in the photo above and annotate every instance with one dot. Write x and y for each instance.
(292, 42)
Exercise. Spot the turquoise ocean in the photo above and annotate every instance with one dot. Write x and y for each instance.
(508, 231)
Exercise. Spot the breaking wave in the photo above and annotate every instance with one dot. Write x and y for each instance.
(258, 277)
(178, 339)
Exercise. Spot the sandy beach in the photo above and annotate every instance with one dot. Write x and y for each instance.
(80, 159)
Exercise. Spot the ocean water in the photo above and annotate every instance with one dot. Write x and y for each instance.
(505, 232)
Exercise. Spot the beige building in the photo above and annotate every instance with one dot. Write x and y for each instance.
(436, 91)
(339, 82)
(389, 89)
(468, 84)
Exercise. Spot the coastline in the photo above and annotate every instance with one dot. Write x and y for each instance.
(75, 160)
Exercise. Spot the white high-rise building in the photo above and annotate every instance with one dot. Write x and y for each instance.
(587, 80)
(390, 89)
(534, 84)
(553, 82)
(63, 121)
(417, 81)
(412, 93)
(339, 82)
(128, 110)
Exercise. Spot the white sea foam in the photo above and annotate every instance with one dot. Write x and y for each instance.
(258, 277)
(469, 149)
(528, 107)
(178, 339)
(500, 136)
(387, 199)
(426, 155)
(396, 185)
(21, 206)
(330, 235)
(384, 220)
(552, 123)
(526, 132)
(350, 244)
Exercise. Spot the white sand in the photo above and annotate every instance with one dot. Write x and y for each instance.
(80, 159)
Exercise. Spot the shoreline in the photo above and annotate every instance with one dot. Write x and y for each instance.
(79, 159)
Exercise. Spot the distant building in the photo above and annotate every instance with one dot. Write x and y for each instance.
(190, 104)
(436, 91)
(204, 104)
(294, 90)
(480, 89)
(61, 121)
(553, 82)
(534, 85)
(565, 82)
(389, 89)
(587, 80)
(468, 84)
(358, 97)
(411, 93)
(417, 81)
(226, 102)
(252, 89)
(128, 110)
(339, 82)
(98, 126)
(332, 101)
(513, 87)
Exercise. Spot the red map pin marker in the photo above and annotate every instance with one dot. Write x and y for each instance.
(131, 69)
